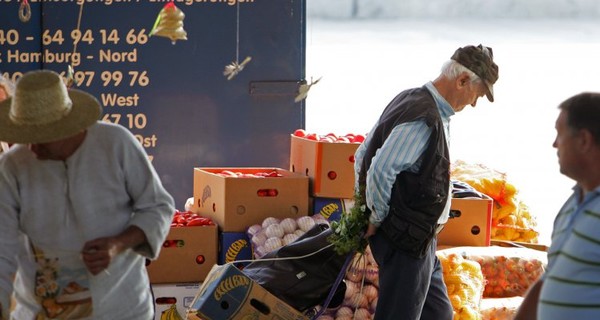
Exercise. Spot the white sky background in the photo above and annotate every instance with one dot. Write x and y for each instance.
(364, 63)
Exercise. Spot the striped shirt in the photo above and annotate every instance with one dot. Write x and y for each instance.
(571, 288)
(400, 152)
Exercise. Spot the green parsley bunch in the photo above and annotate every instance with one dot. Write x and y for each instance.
(348, 232)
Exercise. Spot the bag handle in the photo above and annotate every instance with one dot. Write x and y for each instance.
(337, 282)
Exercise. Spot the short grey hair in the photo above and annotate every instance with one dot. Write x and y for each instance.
(452, 69)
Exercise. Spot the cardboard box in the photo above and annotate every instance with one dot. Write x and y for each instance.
(470, 223)
(228, 293)
(518, 244)
(187, 255)
(234, 247)
(329, 165)
(235, 203)
(173, 295)
(331, 208)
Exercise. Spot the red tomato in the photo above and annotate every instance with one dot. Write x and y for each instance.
(358, 138)
(312, 136)
(300, 133)
(343, 139)
(200, 221)
(273, 174)
(180, 219)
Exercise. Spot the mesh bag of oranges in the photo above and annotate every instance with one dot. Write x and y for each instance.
(464, 281)
(508, 272)
(511, 219)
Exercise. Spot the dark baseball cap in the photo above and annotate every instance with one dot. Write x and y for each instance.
(480, 60)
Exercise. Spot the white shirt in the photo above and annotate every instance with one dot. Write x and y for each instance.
(107, 185)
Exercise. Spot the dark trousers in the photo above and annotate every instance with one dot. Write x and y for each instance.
(409, 288)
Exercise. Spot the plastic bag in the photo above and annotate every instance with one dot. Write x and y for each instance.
(508, 272)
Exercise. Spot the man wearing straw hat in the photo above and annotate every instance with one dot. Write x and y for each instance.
(81, 208)
(6, 90)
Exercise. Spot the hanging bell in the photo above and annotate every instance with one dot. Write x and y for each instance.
(169, 23)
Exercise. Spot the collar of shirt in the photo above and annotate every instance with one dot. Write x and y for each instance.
(444, 107)
(581, 198)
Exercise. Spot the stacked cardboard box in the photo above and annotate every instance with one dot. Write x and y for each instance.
(470, 223)
(187, 255)
(171, 298)
(330, 167)
(235, 203)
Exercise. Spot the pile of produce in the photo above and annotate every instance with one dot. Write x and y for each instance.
(330, 137)
(500, 308)
(465, 284)
(508, 272)
(362, 290)
(189, 219)
(273, 233)
(511, 219)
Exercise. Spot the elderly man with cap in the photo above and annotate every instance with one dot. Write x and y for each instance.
(403, 174)
(81, 208)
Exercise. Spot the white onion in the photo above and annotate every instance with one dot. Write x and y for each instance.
(373, 305)
(344, 311)
(259, 251)
(254, 229)
(305, 223)
(259, 239)
(269, 221)
(372, 274)
(274, 231)
(289, 238)
(351, 289)
(359, 300)
(289, 225)
(272, 244)
(362, 314)
(371, 292)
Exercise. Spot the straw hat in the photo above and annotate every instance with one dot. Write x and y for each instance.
(43, 110)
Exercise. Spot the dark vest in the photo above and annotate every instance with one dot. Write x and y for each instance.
(417, 199)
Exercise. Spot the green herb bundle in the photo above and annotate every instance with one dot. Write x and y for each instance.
(348, 232)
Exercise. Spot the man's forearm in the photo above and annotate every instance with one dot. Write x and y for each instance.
(528, 308)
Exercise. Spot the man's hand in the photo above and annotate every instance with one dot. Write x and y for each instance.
(371, 229)
(97, 254)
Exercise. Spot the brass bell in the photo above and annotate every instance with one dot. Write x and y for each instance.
(169, 23)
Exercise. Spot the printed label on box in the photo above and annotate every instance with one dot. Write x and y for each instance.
(331, 208)
(235, 246)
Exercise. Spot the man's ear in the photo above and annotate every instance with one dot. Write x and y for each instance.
(587, 140)
(463, 79)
